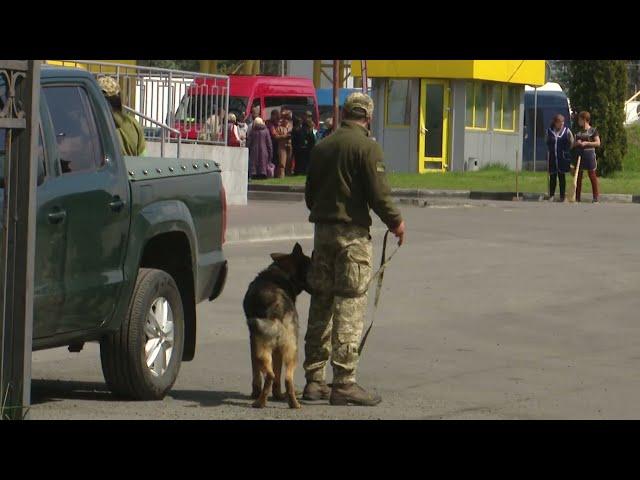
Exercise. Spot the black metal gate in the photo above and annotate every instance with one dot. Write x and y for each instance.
(19, 131)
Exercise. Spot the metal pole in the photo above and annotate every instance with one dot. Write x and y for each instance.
(336, 94)
(535, 125)
(172, 101)
(365, 80)
(18, 235)
(226, 115)
(162, 140)
(517, 186)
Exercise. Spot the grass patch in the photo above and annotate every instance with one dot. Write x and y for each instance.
(490, 181)
(631, 161)
(498, 178)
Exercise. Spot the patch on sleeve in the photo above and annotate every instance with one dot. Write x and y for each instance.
(379, 167)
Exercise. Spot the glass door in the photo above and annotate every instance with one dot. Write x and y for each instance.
(434, 122)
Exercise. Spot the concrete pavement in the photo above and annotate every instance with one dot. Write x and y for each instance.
(491, 310)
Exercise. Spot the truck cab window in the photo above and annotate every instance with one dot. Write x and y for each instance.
(42, 159)
(3, 153)
(41, 155)
(75, 128)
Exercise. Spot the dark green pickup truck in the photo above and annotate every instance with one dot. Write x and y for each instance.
(125, 246)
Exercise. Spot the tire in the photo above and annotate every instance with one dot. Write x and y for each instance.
(123, 354)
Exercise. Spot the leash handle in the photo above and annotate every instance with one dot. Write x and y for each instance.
(380, 275)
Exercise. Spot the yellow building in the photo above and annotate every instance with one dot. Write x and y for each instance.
(73, 63)
(439, 115)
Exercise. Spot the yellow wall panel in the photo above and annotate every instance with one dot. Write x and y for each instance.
(67, 63)
(530, 72)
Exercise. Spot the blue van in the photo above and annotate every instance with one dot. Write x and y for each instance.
(325, 100)
(551, 101)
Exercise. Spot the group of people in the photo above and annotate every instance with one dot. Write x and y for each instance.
(279, 146)
(566, 148)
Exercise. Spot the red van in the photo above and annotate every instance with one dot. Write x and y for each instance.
(198, 108)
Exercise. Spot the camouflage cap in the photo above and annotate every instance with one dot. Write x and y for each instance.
(109, 86)
(360, 101)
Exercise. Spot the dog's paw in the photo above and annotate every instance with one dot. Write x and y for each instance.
(258, 404)
(295, 404)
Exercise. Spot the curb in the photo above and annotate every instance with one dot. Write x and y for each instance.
(296, 193)
(281, 231)
(257, 187)
(428, 193)
(264, 233)
(281, 196)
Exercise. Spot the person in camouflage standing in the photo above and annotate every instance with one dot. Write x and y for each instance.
(131, 134)
(346, 178)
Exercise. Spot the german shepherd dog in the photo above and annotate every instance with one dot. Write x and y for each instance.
(270, 308)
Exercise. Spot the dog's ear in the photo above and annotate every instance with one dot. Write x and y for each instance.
(297, 250)
(278, 256)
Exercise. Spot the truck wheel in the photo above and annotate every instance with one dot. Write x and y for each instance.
(141, 360)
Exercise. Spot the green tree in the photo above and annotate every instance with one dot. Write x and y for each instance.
(558, 73)
(225, 67)
(187, 65)
(599, 87)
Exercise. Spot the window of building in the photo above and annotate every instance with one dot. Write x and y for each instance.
(477, 109)
(75, 129)
(505, 103)
(397, 103)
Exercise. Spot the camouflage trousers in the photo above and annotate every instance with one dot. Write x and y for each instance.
(339, 276)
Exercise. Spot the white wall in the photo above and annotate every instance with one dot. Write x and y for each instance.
(234, 163)
(304, 68)
(300, 68)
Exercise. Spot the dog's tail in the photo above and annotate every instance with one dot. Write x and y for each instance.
(262, 326)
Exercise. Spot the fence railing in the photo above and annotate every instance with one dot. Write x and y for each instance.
(165, 131)
(193, 106)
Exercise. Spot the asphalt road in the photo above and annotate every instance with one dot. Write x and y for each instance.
(496, 310)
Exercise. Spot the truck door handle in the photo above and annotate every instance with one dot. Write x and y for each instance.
(57, 216)
(116, 204)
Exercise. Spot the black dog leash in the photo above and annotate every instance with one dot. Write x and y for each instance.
(384, 261)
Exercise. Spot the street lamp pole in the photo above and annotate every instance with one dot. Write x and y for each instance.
(336, 94)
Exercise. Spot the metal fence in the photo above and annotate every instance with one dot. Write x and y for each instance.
(170, 104)
(19, 118)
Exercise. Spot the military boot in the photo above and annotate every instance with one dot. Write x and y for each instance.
(352, 394)
(316, 391)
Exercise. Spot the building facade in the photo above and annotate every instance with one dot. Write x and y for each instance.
(450, 115)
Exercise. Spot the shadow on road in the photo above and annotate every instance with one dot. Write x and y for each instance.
(45, 391)
(206, 398)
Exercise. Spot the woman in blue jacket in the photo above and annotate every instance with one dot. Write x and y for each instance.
(559, 143)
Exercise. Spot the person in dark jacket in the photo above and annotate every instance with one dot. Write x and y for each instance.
(326, 129)
(346, 179)
(260, 150)
(303, 140)
(272, 125)
(559, 143)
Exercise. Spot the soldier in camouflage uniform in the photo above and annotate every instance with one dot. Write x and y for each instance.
(346, 178)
